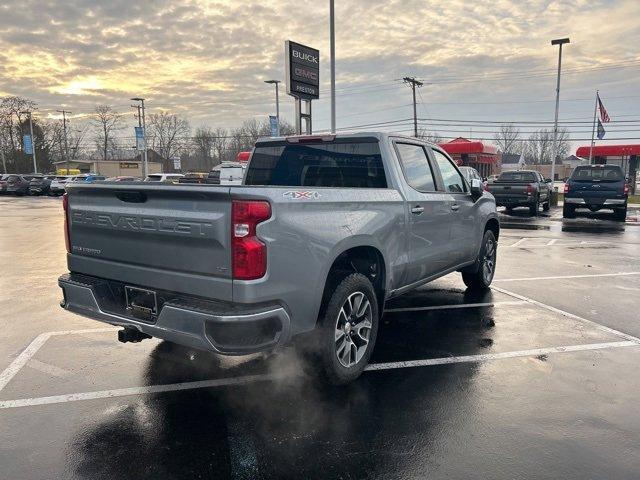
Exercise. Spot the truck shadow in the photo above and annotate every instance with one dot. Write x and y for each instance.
(293, 426)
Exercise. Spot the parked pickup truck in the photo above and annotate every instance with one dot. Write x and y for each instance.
(596, 187)
(322, 232)
(522, 188)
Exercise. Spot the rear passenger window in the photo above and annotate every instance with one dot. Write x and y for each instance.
(453, 182)
(415, 165)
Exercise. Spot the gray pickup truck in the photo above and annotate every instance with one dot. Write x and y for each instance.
(521, 188)
(323, 230)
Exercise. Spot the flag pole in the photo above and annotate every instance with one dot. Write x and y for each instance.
(593, 128)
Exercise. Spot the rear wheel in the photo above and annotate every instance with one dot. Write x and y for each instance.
(533, 209)
(546, 206)
(485, 266)
(348, 329)
(568, 211)
(620, 214)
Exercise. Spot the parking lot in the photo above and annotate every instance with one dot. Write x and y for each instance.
(538, 375)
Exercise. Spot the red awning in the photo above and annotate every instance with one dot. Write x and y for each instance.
(609, 151)
(462, 145)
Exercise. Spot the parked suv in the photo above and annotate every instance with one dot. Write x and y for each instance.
(58, 183)
(596, 187)
(18, 184)
(40, 185)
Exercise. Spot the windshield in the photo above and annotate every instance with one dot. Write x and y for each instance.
(517, 177)
(355, 165)
(606, 173)
(154, 178)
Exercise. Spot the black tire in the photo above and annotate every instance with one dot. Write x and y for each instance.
(533, 209)
(346, 292)
(568, 211)
(546, 206)
(620, 214)
(481, 276)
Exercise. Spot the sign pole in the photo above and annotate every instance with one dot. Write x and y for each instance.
(302, 65)
(33, 145)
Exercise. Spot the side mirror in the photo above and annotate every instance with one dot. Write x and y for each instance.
(476, 188)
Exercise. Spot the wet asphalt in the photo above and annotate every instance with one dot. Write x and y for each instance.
(536, 378)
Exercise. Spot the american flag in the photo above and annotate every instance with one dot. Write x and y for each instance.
(603, 113)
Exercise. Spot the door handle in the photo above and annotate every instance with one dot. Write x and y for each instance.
(417, 210)
(455, 207)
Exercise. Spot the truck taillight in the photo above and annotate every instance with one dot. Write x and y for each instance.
(529, 189)
(65, 207)
(566, 188)
(249, 254)
(626, 189)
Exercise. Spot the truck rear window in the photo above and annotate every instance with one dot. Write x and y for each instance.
(607, 173)
(517, 177)
(348, 165)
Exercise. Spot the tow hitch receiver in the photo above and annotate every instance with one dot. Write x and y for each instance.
(131, 335)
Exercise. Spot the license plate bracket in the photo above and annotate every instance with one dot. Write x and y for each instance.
(141, 301)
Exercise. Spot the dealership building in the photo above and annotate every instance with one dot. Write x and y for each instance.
(479, 155)
(131, 167)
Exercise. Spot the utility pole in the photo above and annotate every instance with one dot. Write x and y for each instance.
(558, 42)
(144, 134)
(332, 36)
(414, 83)
(64, 128)
(33, 143)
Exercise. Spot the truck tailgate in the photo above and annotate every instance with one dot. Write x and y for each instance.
(159, 236)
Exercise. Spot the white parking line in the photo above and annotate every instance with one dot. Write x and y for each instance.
(517, 243)
(564, 313)
(26, 355)
(449, 307)
(498, 356)
(224, 382)
(560, 277)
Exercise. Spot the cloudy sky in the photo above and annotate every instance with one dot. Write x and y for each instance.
(479, 60)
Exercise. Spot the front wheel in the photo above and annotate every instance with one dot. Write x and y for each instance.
(482, 276)
(348, 329)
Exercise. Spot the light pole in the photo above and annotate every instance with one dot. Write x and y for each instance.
(64, 128)
(144, 136)
(33, 143)
(554, 150)
(332, 49)
(276, 82)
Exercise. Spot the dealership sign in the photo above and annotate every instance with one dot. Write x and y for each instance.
(302, 71)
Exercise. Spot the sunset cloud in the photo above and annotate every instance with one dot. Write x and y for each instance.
(207, 60)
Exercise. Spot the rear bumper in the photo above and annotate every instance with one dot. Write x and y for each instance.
(229, 329)
(578, 201)
(514, 202)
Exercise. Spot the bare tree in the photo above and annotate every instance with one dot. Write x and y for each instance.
(432, 137)
(106, 122)
(203, 141)
(167, 134)
(539, 146)
(221, 144)
(508, 139)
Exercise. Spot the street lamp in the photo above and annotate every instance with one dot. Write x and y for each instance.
(560, 42)
(276, 82)
(144, 133)
(332, 53)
